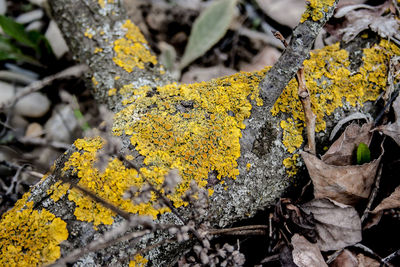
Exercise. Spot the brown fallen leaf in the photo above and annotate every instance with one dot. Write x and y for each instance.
(362, 17)
(391, 202)
(334, 177)
(337, 225)
(393, 129)
(197, 74)
(267, 57)
(341, 152)
(306, 254)
(286, 12)
(345, 259)
(364, 261)
(346, 184)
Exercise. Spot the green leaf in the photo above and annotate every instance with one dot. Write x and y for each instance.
(363, 154)
(9, 51)
(17, 31)
(208, 29)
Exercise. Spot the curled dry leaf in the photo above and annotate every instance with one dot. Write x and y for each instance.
(364, 261)
(306, 254)
(393, 129)
(334, 177)
(362, 17)
(337, 225)
(391, 202)
(279, 11)
(342, 150)
(345, 259)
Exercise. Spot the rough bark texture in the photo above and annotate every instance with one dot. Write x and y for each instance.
(91, 29)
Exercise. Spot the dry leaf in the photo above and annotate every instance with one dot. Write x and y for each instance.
(286, 12)
(391, 202)
(346, 184)
(367, 17)
(364, 261)
(345, 259)
(393, 129)
(334, 177)
(267, 57)
(306, 254)
(342, 150)
(196, 74)
(337, 225)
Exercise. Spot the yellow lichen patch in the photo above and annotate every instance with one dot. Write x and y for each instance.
(89, 33)
(290, 164)
(98, 50)
(102, 3)
(331, 84)
(131, 50)
(112, 91)
(30, 237)
(194, 128)
(58, 190)
(111, 184)
(315, 9)
(248, 166)
(139, 261)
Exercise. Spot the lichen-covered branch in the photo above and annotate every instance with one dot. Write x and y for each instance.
(219, 134)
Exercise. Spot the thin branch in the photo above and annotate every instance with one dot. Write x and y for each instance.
(96, 198)
(243, 230)
(308, 113)
(373, 193)
(43, 142)
(292, 58)
(74, 71)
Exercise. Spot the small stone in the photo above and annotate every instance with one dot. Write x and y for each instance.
(62, 124)
(34, 130)
(3, 7)
(34, 105)
(56, 40)
(30, 16)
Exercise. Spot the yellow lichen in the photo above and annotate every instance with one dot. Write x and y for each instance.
(102, 3)
(248, 166)
(112, 91)
(139, 261)
(290, 164)
(131, 50)
(111, 184)
(89, 33)
(315, 9)
(58, 190)
(331, 84)
(98, 50)
(201, 138)
(30, 237)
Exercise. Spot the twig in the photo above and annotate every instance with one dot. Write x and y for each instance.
(304, 97)
(270, 258)
(373, 193)
(333, 257)
(308, 113)
(166, 201)
(98, 199)
(242, 230)
(292, 58)
(43, 142)
(390, 257)
(14, 180)
(74, 71)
